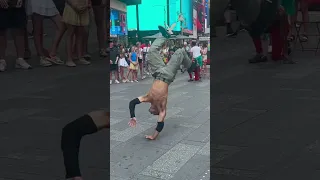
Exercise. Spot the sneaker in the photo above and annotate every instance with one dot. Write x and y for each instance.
(116, 81)
(83, 61)
(164, 32)
(55, 60)
(131, 81)
(3, 65)
(70, 64)
(87, 56)
(143, 77)
(136, 81)
(22, 64)
(124, 81)
(44, 61)
(110, 81)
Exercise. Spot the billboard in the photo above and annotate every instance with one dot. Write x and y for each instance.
(174, 11)
(151, 14)
(187, 11)
(118, 23)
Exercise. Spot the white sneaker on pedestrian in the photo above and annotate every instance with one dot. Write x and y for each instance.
(116, 81)
(136, 81)
(110, 81)
(3, 65)
(143, 77)
(124, 81)
(22, 64)
(131, 81)
(83, 61)
(45, 62)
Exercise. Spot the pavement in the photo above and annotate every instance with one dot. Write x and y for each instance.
(34, 107)
(264, 117)
(182, 149)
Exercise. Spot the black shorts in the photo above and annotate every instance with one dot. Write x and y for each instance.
(140, 61)
(13, 18)
(96, 2)
(113, 67)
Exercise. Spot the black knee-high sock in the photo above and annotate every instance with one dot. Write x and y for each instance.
(72, 134)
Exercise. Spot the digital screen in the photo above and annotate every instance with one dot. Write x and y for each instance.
(174, 11)
(152, 13)
(118, 23)
(187, 11)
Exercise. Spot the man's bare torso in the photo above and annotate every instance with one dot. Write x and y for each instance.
(158, 93)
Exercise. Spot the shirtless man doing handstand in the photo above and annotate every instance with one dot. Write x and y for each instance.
(163, 74)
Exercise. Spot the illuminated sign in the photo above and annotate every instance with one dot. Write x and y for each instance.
(118, 23)
(152, 13)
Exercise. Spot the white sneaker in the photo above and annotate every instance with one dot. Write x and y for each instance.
(22, 64)
(110, 81)
(136, 81)
(131, 81)
(45, 62)
(124, 81)
(116, 81)
(143, 77)
(83, 61)
(3, 65)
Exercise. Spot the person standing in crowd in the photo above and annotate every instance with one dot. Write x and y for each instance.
(99, 12)
(133, 58)
(140, 59)
(114, 55)
(228, 18)
(123, 65)
(39, 10)
(204, 52)
(13, 16)
(197, 58)
(76, 16)
(305, 18)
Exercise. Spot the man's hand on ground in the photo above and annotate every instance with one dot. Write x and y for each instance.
(133, 122)
(150, 137)
(4, 4)
(153, 137)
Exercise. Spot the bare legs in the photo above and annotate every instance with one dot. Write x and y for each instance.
(100, 20)
(61, 29)
(70, 35)
(18, 35)
(37, 22)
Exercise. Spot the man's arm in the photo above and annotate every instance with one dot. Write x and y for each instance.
(160, 123)
(134, 102)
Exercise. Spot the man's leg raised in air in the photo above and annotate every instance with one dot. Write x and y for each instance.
(155, 60)
(71, 137)
(180, 57)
